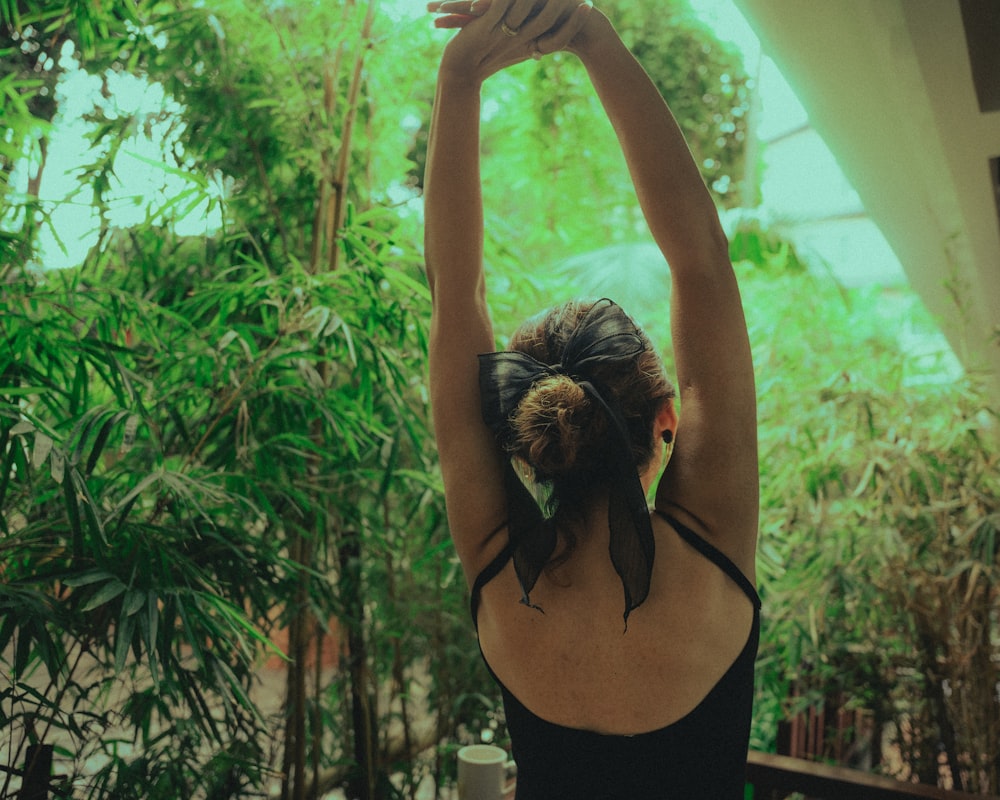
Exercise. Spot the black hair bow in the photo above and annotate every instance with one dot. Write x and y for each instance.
(605, 333)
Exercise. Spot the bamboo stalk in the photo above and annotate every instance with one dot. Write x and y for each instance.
(331, 82)
(332, 205)
(301, 651)
(317, 717)
(293, 698)
(398, 664)
(337, 211)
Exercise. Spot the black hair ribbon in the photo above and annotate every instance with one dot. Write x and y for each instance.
(604, 333)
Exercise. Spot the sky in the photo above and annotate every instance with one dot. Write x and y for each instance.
(141, 176)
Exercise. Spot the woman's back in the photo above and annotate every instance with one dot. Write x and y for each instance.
(575, 663)
(623, 714)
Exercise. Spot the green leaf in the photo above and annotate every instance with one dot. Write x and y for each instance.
(124, 506)
(88, 578)
(43, 446)
(90, 510)
(22, 651)
(24, 391)
(7, 629)
(22, 427)
(73, 514)
(134, 600)
(112, 589)
(57, 466)
(101, 440)
(150, 633)
(79, 389)
(123, 641)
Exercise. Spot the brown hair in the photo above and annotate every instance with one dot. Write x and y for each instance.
(558, 430)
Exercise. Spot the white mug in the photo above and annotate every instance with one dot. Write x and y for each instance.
(481, 770)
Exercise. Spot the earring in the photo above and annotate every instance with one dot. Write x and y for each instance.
(668, 440)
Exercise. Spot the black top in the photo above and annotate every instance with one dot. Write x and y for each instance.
(702, 756)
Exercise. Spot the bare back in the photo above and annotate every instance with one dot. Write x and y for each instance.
(574, 664)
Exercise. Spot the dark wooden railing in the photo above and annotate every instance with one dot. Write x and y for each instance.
(774, 777)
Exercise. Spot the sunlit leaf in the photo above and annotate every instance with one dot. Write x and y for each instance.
(42, 448)
(21, 428)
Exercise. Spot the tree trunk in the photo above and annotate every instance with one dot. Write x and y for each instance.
(37, 773)
(363, 782)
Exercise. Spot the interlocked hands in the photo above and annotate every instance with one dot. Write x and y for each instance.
(498, 33)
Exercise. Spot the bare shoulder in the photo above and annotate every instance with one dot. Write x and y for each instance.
(737, 543)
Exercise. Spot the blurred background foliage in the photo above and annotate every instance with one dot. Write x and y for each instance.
(226, 569)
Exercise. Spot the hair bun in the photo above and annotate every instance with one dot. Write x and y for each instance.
(557, 428)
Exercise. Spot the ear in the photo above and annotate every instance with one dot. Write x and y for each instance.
(666, 419)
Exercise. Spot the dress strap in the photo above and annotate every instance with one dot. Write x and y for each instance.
(490, 571)
(716, 556)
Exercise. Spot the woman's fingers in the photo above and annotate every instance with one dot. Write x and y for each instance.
(546, 19)
(559, 36)
(453, 7)
(450, 6)
(453, 21)
(458, 13)
(462, 8)
(520, 12)
(550, 25)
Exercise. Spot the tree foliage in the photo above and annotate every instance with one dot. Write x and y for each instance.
(209, 440)
(702, 79)
(879, 559)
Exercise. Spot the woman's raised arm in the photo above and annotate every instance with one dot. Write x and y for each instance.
(712, 480)
(460, 320)
(471, 464)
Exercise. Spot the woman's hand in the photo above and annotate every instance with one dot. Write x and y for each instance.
(457, 14)
(499, 33)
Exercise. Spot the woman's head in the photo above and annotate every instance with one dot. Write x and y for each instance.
(558, 428)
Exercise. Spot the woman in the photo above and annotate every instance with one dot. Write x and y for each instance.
(580, 413)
